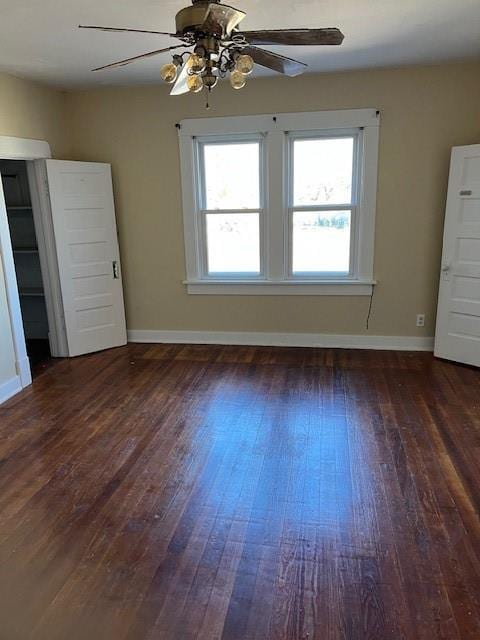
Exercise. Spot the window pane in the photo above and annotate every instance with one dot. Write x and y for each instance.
(232, 175)
(322, 171)
(233, 242)
(321, 242)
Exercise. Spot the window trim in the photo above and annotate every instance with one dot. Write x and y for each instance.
(275, 130)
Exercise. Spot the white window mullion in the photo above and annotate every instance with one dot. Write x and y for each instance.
(276, 210)
(323, 207)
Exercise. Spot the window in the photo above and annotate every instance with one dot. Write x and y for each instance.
(322, 179)
(280, 204)
(230, 197)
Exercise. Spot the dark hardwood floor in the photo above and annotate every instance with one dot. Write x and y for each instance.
(181, 492)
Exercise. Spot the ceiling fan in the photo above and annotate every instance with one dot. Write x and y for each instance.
(220, 48)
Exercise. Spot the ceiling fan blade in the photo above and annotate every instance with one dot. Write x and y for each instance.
(121, 63)
(271, 60)
(121, 30)
(180, 85)
(294, 36)
(221, 19)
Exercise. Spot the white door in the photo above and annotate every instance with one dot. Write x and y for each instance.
(83, 217)
(458, 315)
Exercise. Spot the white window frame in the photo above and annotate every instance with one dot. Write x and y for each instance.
(277, 132)
(201, 210)
(292, 136)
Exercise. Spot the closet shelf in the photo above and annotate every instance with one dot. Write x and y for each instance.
(25, 250)
(35, 292)
(19, 208)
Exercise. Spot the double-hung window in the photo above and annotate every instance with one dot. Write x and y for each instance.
(231, 205)
(280, 204)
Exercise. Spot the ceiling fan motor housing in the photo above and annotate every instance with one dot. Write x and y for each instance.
(190, 19)
(208, 17)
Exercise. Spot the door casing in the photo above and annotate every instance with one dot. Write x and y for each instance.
(12, 148)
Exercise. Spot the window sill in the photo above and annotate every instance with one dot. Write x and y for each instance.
(283, 288)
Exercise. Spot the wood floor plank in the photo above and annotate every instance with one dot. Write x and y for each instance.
(195, 492)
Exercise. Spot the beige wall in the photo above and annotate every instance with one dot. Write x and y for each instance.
(425, 111)
(27, 110)
(30, 110)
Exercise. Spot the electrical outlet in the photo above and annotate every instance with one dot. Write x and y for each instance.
(421, 320)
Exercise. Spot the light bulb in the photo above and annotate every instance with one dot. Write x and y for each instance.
(237, 80)
(169, 72)
(244, 64)
(195, 84)
(196, 63)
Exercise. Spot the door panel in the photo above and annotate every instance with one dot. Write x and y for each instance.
(84, 223)
(458, 316)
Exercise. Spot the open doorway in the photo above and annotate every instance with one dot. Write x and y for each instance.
(23, 233)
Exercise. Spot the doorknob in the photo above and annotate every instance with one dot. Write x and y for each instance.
(445, 270)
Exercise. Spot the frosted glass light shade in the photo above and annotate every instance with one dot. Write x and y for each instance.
(196, 63)
(244, 64)
(195, 83)
(237, 79)
(169, 73)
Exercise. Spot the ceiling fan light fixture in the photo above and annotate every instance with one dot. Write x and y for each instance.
(214, 47)
(237, 79)
(169, 72)
(195, 83)
(244, 64)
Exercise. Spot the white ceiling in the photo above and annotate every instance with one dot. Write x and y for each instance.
(39, 38)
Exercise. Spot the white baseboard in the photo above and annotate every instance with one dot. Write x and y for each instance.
(10, 388)
(396, 343)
